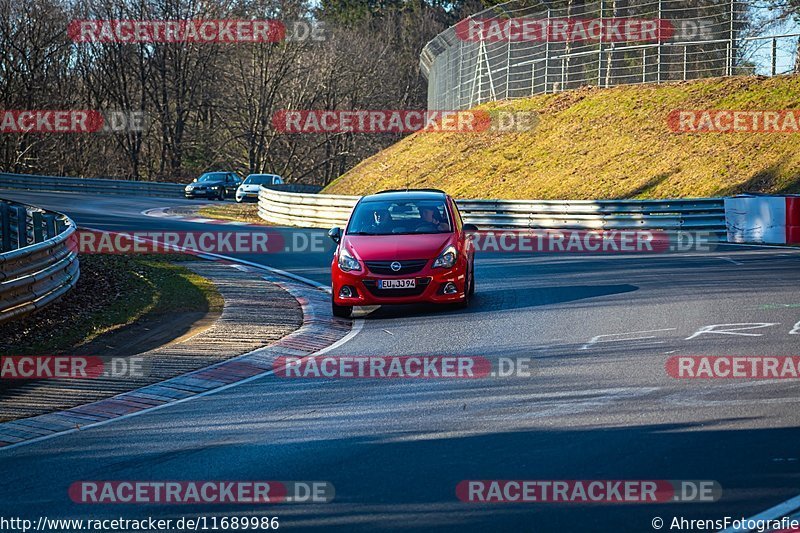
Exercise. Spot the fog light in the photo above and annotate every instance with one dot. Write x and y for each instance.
(346, 292)
(450, 288)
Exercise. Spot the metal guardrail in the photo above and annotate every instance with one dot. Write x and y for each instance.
(38, 261)
(90, 185)
(696, 214)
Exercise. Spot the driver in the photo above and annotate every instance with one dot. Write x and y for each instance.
(430, 217)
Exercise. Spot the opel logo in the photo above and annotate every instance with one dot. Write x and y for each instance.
(395, 266)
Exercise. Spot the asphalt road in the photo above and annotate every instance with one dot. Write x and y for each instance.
(599, 404)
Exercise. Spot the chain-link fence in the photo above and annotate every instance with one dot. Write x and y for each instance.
(521, 48)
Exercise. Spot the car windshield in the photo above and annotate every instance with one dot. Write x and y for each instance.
(402, 217)
(259, 179)
(212, 176)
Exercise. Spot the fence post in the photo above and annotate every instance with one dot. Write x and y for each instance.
(658, 50)
(644, 65)
(547, 52)
(685, 60)
(732, 49)
(508, 65)
(774, 56)
(600, 48)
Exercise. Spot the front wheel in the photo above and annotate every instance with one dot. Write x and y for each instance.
(221, 196)
(472, 279)
(342, 311)
(469, 290)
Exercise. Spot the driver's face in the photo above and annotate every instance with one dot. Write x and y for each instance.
(426, 214)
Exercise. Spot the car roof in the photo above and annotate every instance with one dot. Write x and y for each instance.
(406, 195)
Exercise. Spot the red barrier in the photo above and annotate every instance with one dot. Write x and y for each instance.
(793, 210)
(792, 234)
(793, 219)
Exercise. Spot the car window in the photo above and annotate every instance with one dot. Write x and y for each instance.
(400, 217)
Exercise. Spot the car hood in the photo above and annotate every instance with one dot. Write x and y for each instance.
(399, 247)
(206, 183)
(249, 187)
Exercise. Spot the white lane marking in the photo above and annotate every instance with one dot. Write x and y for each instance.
(773, 513)
(734, 330)
(596, 340)
(735, 262)
(795, 329)
(358, 324)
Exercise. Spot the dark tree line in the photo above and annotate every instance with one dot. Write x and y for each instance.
(210, 106)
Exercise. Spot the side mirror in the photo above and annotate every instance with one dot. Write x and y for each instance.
(335, 234)
(469, 227)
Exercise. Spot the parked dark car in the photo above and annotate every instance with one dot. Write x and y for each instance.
(213, 185)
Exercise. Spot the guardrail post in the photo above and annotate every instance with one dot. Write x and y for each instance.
(37, 227)
(50, 225)
(21, 215)
(61, 225)
(5, 227)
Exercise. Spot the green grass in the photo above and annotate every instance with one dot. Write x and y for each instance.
(601, 144)
(113, 291)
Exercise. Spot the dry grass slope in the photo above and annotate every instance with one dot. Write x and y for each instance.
(601, 144)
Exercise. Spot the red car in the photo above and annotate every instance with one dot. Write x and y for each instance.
(402, 247)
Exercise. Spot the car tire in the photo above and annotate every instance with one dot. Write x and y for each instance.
(342, 311)
(472, 279)
(469, 290)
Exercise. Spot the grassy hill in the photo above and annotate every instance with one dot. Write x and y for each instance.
(601, 143)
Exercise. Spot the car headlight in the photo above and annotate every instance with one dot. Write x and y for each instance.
(447, 258)
(347, 262)
(188, 188)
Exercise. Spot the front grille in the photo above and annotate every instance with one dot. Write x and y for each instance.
(408, 266)
(372, 286)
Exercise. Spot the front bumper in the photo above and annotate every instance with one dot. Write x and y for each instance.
(244, 196)
(430, 283)
(208, 193)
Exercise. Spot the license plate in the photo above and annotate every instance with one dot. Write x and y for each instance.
(397, 283)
